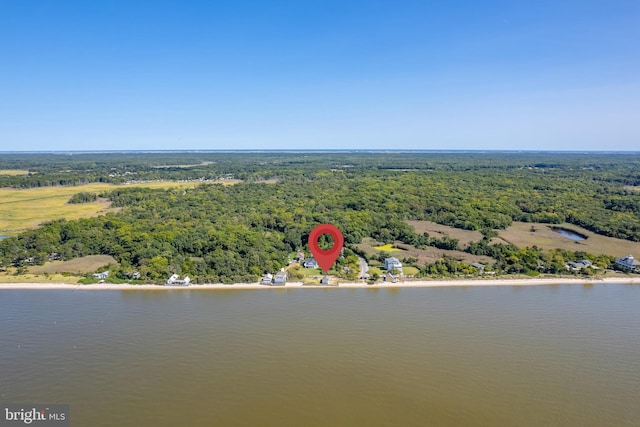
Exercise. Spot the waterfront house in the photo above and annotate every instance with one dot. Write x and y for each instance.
(629, 263)
(267, 279)
(310, 263)
(579, 265)
(281, 278)
(326, 280)
(175, 280)
(101, 276)
(391, 263)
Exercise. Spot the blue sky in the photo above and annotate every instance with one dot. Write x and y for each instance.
(95, 75)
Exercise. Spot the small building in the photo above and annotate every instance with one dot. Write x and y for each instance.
(101, 276)
(629, 263)
(310, 263)
(267, 279)
(391, 263)
(175, 280)
(280, 278)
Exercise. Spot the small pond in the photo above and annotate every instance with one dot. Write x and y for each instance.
(569, 233)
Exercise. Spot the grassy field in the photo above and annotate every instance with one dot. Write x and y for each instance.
(35, 278)
(544, 237)
(440, 231)
(87, 264)
(13, 172)
(23, 209)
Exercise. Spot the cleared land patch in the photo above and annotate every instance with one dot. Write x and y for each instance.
(36, 278)
(439, 231)
(22, 209)
(13, 172)
(428, 255)
(83, 265)
(520, 234)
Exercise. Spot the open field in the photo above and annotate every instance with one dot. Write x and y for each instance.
(544, 237)
(22, 209)
(14, 172)
(439, 231)
(37, 279)
(87, 264)
(425, 256)
(632, 188)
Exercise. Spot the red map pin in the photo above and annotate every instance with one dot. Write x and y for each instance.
(328, 257)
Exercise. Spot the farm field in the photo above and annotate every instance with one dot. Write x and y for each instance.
(520, 234)
(439, 231)
(22, 209)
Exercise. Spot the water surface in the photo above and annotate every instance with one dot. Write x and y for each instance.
(526, 356)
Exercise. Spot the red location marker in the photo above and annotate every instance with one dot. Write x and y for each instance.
(328, 257)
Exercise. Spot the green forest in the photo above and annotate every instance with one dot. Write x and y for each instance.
(231, 233)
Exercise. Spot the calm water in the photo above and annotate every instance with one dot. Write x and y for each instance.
(500, 356)
(568, 234)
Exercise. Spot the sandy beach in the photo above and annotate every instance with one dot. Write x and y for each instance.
(349, 285)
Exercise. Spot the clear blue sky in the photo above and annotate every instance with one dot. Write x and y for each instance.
(91, 74)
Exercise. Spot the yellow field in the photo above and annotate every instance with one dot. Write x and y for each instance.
(13, 172)
(24, 209)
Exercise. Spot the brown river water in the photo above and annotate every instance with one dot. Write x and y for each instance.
(566, 355)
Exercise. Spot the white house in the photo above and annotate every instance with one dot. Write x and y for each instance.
(391, 263)
(267, 279)
(102, 275)
(174, 280)
(629, 263)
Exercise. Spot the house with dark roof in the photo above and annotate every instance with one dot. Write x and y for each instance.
(578, 265)
(310, 263)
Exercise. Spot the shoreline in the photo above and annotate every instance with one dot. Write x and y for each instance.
(344, 285)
